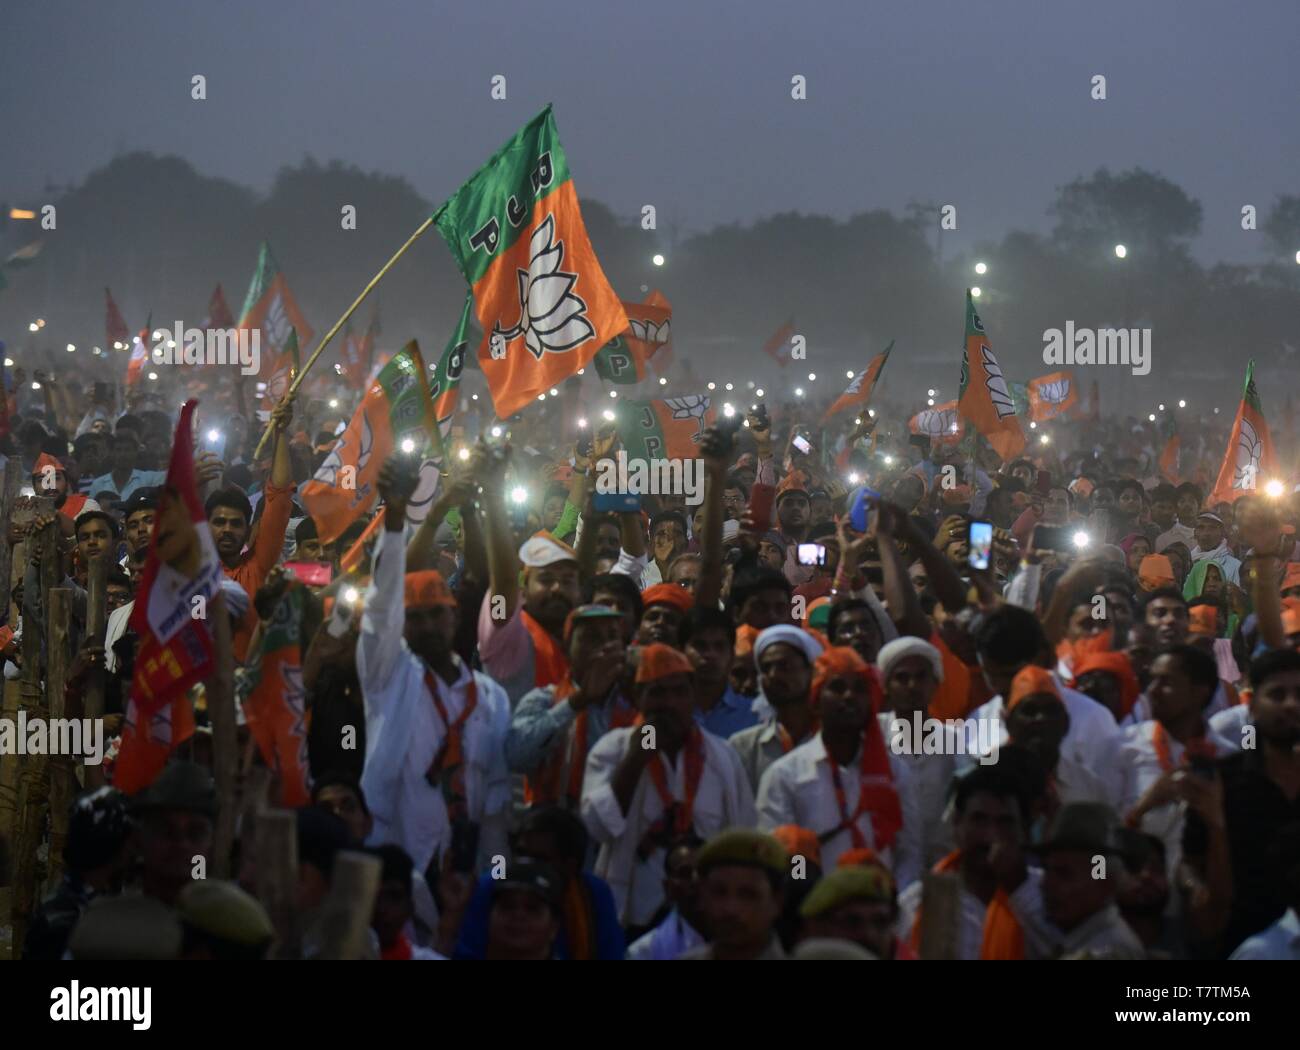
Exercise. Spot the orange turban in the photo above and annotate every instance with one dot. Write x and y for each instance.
(1155, 570)
(1121, 667)
(659, 661)
(46, 460)
(1030, 681)
(799, 842)
(427, 588)
(841, 660)
(795, 481)
(1203, 620)
(668, 594)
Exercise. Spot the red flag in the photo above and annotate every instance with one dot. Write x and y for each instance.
(175, 642)
(115, 329)
(777, 346)
(859, 391)
(219, 315)
(1250, 460)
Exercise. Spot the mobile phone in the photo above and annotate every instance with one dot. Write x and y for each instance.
(860, 513)
(1055, 538)
(214, 441)
(802, 444)
(812, 554)
(1043, 483)
(616, 502)
(761, 412)
(103, 394)
(464, 845)
(979, 539)
(312, 573)
(761, 497)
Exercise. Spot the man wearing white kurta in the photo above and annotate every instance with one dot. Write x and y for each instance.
(645, 790)
(424, 750)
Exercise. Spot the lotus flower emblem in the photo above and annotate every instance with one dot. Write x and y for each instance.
(275, 325)
(551, 317)
(1055, 392)
(648, 331)
(692, 406)
(997, 386)
(936, 422)
(1249, 453)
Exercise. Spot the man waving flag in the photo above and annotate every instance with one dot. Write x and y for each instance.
(1250, 461)
(984, 400)
(863, 385)
(517, 235)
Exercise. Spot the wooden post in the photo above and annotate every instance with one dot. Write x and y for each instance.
(275, 842)
(220, 691)
(34, 773)
(940, 915)
(96, 626)
(347, 910)
(62, 778)
(8, 496)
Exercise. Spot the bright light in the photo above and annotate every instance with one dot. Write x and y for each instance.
(758, 392)
(849, 374)
(541, 397)
(1274, 489)
(658, 259)
(408, 445)
(853, 479)
(976, 292)
(1033, 425)
(663, 380)
(1216, 411)
(746, 423)
(930, 393)
(929, 401)
(1182, 404)
(338, 369)
(351, 595)
(798, 391)
(713, 386)
(812, 377)
(608, 415)
(32, 327)
(214, 436)
(1297, 258)
(858, 421)
(463, 453)
(153, 377)
(582, 423)
(334, 402)
(1160, 408)
(1044, 439)
(118, 346)
(582, 371)
(871, 412)
(730, 387)
(96, 350)
(613, 393)
(1151, 418)
(728, 410)
(981, 268)
(21, 213)
(519, 494)
(36, 386)
(496, 432)
(889, 461)
(473, 397)
(40, 322)
(1120, 251)
(9, 362)
(555, 392)
(1082, 539)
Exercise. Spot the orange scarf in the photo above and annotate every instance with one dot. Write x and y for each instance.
(678, 818)
(550, 664)
(1003, 938)
(451, 756)
(1197, 746)
(544, 789)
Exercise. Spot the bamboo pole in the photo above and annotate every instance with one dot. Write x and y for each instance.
(220, 690)
(62, 778)
(8, 497)
(96, 625)
(275, 840)
(940, 915)
(349, 906)
(302, 372)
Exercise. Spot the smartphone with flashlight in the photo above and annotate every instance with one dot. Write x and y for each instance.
(1059, 538)
(812, 554)
(802, 444)
(312, 573)
(979, 542)
(860, 513)
(214, 441)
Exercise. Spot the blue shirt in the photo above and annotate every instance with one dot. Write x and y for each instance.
(139, 479)
(473, 938)
(1279, 941)
(732, 713)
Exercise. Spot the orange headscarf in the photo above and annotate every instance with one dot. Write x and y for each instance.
(1203, 620)
(427, 588)
(668, 594)
(1029, 681)
(1155, 571)
(659, 661)
(799, 842)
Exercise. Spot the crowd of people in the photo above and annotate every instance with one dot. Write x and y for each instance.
(740, 729)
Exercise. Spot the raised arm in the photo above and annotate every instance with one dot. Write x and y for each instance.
(488, 470)
(380, 643)
(716, 449)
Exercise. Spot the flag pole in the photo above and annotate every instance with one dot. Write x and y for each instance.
(297, 380)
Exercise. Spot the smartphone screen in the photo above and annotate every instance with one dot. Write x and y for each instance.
(801, 443)
(980, 543)
(1054, 538)
(812, 554)
(312, 573)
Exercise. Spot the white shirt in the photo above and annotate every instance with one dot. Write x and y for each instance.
(931, 776)
(1139, 767)
(723, 799)
(797, 789)
(404, 730)
(1027, 903)
(1226, 727)
(1141, 711)
(1279, 941)
(1090, 741)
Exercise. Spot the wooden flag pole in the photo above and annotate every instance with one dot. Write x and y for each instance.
(297, 380)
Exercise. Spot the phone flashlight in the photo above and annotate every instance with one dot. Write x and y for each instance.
(1081, 539)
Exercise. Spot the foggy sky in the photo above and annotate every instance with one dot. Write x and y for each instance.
(684, 104)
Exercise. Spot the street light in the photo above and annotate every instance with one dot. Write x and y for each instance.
(981, 268)
(658, 259)
(1120, 251)
(1182, 404)
(975, 293)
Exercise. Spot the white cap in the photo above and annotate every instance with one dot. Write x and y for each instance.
(542, 549)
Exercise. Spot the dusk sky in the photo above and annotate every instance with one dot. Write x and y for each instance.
(685, 105)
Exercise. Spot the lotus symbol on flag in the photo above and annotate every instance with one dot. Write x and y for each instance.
(1054, 392)
(1249, 452)
(276, 323)
(328, 472)
(551, 317)
(934, 422)
(648, 331)
(997, 386)
(692, 406)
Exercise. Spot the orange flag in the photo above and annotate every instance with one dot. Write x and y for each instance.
(984, 400)
(858, 392)
(516, 232)
(1052, 395)
(777, 346)
(941, 422)
(1249, 461)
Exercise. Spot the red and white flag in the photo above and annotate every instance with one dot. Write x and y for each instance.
(777, 346)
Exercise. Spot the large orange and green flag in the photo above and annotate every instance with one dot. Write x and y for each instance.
(858, 393)
(661, 357)
(396, 409)
(271, 308)
(1250, 460)
(283, 369)
(275, 705)
(624, 358)
(665, 428)
(1169, 450)
(542, 300)
(1052, 395)
(984, 400)
(444, 388)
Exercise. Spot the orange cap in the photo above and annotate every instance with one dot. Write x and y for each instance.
(792, 482)
(1121, 667)
(667, 594)
(841, 660)
(745, 635)
(799, 842)
(1155, 570)
(46, 460)
(659, 661)
(1203, 620)
(427, 588)
(1030, 681)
